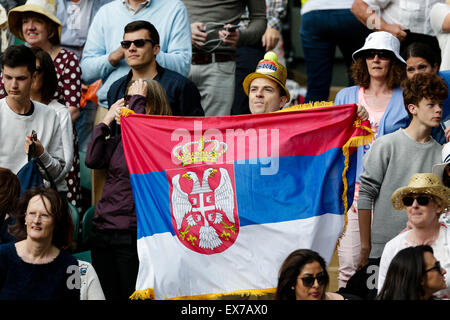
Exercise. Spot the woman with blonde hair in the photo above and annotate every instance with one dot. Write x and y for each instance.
(114, 234)
(424, 199)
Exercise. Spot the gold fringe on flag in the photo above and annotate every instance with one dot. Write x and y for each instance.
(352, 142)
(149, 294)
(306, 106)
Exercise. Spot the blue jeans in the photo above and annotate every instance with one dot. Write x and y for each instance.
(320, 32)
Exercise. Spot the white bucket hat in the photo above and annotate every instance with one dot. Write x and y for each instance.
(438, 169)
(381, 40)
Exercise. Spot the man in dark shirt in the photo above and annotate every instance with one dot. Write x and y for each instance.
(141, 45)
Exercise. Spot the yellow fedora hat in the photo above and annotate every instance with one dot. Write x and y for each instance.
(269, 68)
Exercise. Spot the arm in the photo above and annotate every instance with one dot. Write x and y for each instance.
(100, 149)
(276, 10)
(374, 169)
(257, 25)
(176, 52)
(138, 100)
(52, 156)
(372, 20)
(95, 62)
(67, 141)
(365, 221)
(440, 18)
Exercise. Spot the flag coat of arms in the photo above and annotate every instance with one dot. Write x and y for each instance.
(222, 201)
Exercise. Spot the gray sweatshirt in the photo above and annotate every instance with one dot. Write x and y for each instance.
(228, 11)
(388, 165)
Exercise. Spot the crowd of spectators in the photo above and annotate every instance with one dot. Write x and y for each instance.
(215, 58)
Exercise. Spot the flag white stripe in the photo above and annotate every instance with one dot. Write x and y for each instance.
(252, 262)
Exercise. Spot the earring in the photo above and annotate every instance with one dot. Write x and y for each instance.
(292, 288)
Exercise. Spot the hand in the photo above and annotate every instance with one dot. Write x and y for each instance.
(39, 148)
(138, 87)
(116, 56)
(362, 113)
(113, 111)
(270, 38)
(363, 258)
(397, 31)
(198, 34)
(229, 37)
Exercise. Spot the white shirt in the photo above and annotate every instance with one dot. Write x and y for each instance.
(441, 251)
(411, 14)
(91, 288)
(65, 122)
(313, 5)
(13, 129)
(437, 15)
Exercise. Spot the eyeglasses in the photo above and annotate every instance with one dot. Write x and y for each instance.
(437, 267)
(382, 54)
(41, 216)
(309, 280)
(422, 200)
(139, 43)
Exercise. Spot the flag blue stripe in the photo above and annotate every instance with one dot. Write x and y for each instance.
(303, 187)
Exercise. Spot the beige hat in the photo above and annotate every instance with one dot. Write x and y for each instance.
(422, 183)
(46, 8)
(269, 68)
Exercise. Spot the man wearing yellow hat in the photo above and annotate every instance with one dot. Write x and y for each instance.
(266, 87)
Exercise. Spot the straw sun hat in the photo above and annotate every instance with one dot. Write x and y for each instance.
(422, 183)
(47, 8)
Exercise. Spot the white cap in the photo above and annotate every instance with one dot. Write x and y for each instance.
(381, 40)
(438, 169)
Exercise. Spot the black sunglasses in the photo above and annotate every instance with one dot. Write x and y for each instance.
(422, 200)
(139, 43)
(309, 280)
(382, 54)
(437, 267)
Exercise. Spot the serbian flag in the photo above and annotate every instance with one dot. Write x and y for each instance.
(222, 201)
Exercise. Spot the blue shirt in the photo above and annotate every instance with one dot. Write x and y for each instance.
(169, 17)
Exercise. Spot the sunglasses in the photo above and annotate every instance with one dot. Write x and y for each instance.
(309, 280)
(382, 54)
(422, 200)
(139, 43)
(437, 267)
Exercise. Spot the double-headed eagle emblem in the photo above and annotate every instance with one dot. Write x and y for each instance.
(202, 206)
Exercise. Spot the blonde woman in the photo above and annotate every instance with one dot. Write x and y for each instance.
(114, 251)
(424, 199)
